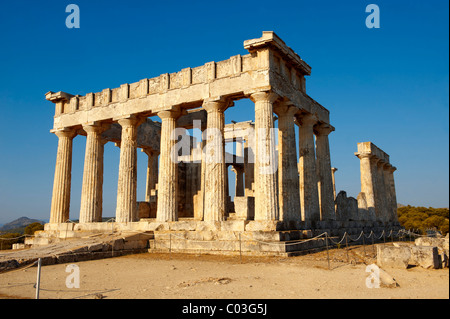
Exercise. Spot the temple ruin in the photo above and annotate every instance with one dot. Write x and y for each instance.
(279, 196)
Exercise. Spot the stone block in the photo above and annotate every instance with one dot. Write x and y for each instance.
(244, 206)
(143, 209)
(431, 241)
(394, 257)
(426, 257)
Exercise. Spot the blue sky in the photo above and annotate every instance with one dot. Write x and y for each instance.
(387, 85)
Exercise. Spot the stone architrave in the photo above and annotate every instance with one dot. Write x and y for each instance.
(324, 174)
(59, 212)
(309, 197)
(92, 189)
(266, 192)
(215, 168)
(126, 210)
(288, 181)
(168, 169)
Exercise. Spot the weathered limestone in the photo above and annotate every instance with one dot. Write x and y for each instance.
(215, 168)
(187, 189)
(334, 170)
(266, 194)
(288, 181)
(239, 183)
(92, 189)
(152, 173)
(393, 257)
(324, 174)
(63, 171)
(393, 196)
(126, 210)
(377, 195)
(168, 171)
(309, 197)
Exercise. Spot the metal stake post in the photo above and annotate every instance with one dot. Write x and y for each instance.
(38, 279)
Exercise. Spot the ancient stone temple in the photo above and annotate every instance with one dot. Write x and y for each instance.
(278, 195)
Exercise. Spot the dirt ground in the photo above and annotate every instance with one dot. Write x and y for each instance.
(177, 276)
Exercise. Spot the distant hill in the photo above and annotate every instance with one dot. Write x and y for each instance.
(19, 223)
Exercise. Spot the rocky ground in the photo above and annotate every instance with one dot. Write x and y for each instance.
(177, 276)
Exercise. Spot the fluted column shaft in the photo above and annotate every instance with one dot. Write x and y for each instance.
(92, 189)
(249, 168)
(367, 182)
(152, 173)
(288, 181)
(126, 210)
(324, 173)
(239, 182)
(266, 166)
(309, 197)
(387, 187)
(215, 167)
(168, 169)
(393, 194)
(384, 210)
(333, 171)
(60, 207)
(376, 189)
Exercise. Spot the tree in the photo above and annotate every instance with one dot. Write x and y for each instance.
(30, 229)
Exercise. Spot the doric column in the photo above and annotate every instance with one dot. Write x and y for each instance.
(266, 192)
(324, 174)
(333, 171)
(387, 188)
(309, 197)
(382, 194)
(152, 172)
(288, 181)
(249, 169)
(367, 182)
(393, 194)
(239, 185)
(126, 210)
(215, 168)
(92, 189)
(376, 189)
(61, 185)
(168, 169)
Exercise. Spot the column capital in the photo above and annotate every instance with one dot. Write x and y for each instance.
(131, 120)
(66, 132)
(216, 105)
(285, 108)
(323, 129)
(266, 96)
(307, 119)
(169, 114)
(363, 155)
(237, 168)
(149, 151)
(95, 127)
(334, 169)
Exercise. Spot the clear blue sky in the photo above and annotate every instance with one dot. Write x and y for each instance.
(387, 85)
